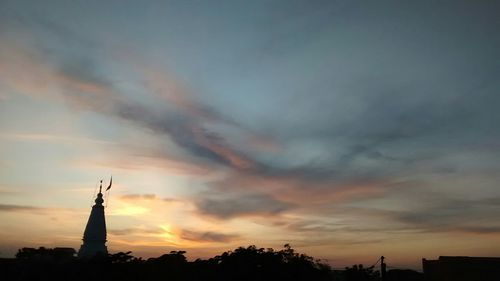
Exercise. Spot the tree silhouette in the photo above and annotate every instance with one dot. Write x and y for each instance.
(361, 273)
(244, 263)
(123, 257)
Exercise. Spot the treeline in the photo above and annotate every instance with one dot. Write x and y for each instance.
(242, 264)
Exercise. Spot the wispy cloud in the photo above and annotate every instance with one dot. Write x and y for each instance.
(53, 213)
(54, 138)
(207, 236)
(77, 82)
(138, 196)
(134, 231)
(235, 205)
(450, 215)
(20, 208)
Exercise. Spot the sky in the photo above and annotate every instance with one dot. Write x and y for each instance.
(348, 129)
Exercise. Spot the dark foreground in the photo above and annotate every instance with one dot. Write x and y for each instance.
(245, 264)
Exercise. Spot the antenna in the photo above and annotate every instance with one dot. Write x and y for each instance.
(383, 269)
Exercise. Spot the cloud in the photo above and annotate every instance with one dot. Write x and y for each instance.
(207, 236)
(53, 138)
(187, 133)
(28, 72)
(294, 185)
(479, 229)
(311, 226)
(134, 231)
(141, 156)
(370, 134)
(447, 214)
(186, 119)
(241, 205)
(138, 196)
(20, 208)
(45, 211)
(162, 84)
(135, 196)
(82, 85)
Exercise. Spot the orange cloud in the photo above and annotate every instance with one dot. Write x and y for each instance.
(292, 188)
(235, 159)
(164, 85)
(27, 72)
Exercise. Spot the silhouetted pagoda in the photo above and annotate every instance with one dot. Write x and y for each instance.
(94, 237)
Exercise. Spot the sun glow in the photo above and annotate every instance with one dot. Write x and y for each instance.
(168, 234)
(130, 210)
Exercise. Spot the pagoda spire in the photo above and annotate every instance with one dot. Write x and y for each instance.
(94, 237)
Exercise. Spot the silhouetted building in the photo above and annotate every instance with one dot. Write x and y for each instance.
(94, 237)
(462, 269)
(404, 275)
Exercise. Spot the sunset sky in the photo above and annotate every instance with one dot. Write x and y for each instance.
(349, 129)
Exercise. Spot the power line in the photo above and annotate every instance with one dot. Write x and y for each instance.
(375, 263)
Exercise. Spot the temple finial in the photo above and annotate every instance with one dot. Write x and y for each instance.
(100, 188)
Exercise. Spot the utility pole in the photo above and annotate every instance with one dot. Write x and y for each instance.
(383, 268)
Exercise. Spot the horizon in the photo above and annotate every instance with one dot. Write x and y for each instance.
(347, 129)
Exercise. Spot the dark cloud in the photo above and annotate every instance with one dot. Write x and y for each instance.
(393, 135)
(395, 109)
(439, 213)
(446, 214)
(242, 205)
(186, 132)
(207, 236)
(480, 229)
